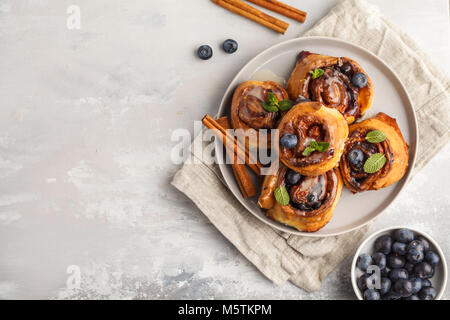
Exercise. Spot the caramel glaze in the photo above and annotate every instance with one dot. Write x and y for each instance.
(306, 128)
(311, 195)
(359, 180)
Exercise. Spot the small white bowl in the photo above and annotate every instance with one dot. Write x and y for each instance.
(439, 279)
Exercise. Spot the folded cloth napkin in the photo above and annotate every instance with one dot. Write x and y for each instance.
(302, 260)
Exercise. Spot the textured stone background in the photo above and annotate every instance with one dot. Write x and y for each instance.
(85, 123)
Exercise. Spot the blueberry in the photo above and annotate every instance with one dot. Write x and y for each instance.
(409, 267)
(371, 294)
(356, 157)
(362, 282)
(403, 235)
(399, 248)
(383, 244)
(359, 80)
(230, 46)
(417, 284)
(423, 270)
(293, 177)
(412, 297)
(385, 285)
(379, 259)
(424, 242)
(403, 287)
(395, 261)
(288, 140)
(364, 261)
(427, 293)
(385, 272)
(347, 69)
(392, 296)
(415, 244)
(426, 283)
(414, 256)
(397, 274)
(204, 52)
(432, 258)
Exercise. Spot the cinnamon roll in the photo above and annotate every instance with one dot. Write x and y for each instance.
(338, 83)
(247, 110)
(309, 201)
(375, 154)
(312, 138)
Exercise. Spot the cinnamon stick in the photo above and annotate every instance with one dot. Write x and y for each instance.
(281, 8)
(231, 142)
(249, 12)
(240, 171)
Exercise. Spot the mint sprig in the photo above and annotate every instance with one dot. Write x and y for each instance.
(282, 195)
(273, 105)
(316, 73)
(375, 136)
(315, 146)
(374, 163)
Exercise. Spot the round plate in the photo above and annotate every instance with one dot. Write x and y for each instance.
(391, 97)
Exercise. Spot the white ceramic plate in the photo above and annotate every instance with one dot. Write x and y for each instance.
(353, 210)
(439, 280)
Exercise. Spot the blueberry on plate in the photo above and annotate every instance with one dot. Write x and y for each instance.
(415, 244)
(397, 274)
(363, 262)
(403, 287)
(371, 294)
(428, 293)
(424, 242)
(385, 285)
(432, 258)
(379, 259)
(293, 177)
(288, 140)
(356, 158)
(399, 248)
(417, 284)
(205, 52)
(423, 270)
(412, 297)
(409, 267)
(395, 261)
(414, 255)
(230, 46)
(362, 282)
(383, 244)
(359, 80)
(426, 283)
(403, 235)
(347, 69)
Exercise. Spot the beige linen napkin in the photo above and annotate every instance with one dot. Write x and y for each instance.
(302, 260)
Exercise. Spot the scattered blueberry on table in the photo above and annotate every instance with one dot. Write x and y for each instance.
(205, 52)
(406, 264)
(230, 46)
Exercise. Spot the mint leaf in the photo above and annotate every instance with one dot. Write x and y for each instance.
(285, 104)
(322, 146)
(281, 195)
(316, 73)
(269, 107)
(375, 136)
(308, 150)
(374, 163)
(271, 98)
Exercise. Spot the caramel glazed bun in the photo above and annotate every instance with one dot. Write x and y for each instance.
(312, 199)
(247, 112)
(312, 121)
(357, 150)
(334, 88)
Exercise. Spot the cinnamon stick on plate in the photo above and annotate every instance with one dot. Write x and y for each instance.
(249, 12)
(281, 8)
(240, 171)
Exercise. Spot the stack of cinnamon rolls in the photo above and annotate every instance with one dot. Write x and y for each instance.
(323, 143)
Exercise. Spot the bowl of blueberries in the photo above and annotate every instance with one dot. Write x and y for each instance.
(399, 264)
